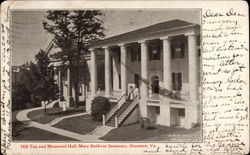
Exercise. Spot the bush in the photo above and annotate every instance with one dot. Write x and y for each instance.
(61, 98)
(144, 123)
(100, 105)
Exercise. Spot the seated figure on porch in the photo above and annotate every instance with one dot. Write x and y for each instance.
(133, 92)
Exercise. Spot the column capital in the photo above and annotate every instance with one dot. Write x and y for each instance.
(191, 34)
(105, 47)
(165, 38)
(143, 41)
(122, 45)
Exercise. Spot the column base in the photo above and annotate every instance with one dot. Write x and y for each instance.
(192, 114)
(89, 104)
(164, 118)
(143, 108)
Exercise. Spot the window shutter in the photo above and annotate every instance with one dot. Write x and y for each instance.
(172, 52)
(150, 52)
(182, 50)
(132, 54)
(119, 78)
(173, 81)
(139, 52)
(179, 81)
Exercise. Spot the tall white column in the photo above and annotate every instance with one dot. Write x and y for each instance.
(167, 82)
(167, 73)
(192, 110)
(60, 81)
(123, 68)
(93, 72)
(69, 82)
(107, 72)
(144, 70)
(192, 65)
(144, 80)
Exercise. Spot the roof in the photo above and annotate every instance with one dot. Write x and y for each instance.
(142, 32)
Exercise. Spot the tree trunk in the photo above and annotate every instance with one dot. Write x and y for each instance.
(76, 81)
(70, 83)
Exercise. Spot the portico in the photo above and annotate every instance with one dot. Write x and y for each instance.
(166, 60)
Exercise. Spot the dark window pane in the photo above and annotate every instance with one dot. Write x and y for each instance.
(181, 112)
(157, 110)
(177, 50)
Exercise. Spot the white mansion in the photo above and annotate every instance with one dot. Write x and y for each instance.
(151, 72)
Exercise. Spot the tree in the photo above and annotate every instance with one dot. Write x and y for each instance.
(23, 94)
(45, 89)
(73, 30)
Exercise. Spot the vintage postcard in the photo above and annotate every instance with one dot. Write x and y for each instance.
(124, 77)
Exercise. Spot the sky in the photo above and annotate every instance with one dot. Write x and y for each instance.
(28, 35)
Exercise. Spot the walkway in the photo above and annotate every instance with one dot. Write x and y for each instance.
(91, 137)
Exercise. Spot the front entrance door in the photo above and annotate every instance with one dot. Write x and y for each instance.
(177, 81)
(155, 84)
(136, 80)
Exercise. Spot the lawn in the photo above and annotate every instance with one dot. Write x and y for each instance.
(134, 132)
(22, 133)
(31, 133)
(80, 124)
(52, 113)
(16, 125)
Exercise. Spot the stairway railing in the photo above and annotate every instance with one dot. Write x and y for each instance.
(127, 111)
(120, 102)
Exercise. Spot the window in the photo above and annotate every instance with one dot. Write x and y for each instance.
(176, 81)
(198, 52)
(181, 112)
(155, 84)
(80, 90)
(157, 110)
(198, 40)
(154, 52)
(136, 80)
(135, 54)
(119, 78)
(177, 50)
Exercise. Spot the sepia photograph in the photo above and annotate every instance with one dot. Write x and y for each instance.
(124, 77)
(106, 75)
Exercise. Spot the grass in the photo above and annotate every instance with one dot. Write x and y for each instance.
(41, 117)
(31, 133)
(134, 132)
(20, 132)
(80, 124)
(16, 125)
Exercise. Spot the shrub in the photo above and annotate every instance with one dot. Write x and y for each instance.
(195, 125)
(62, 98)
(100, 105)
(144, 123)
(71, 101)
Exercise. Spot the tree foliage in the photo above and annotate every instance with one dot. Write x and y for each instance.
(45, 88)
(73, 30)
(35, 83)
(100, 106)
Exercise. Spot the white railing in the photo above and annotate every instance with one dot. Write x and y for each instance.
(128, 110)
(120, 102)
